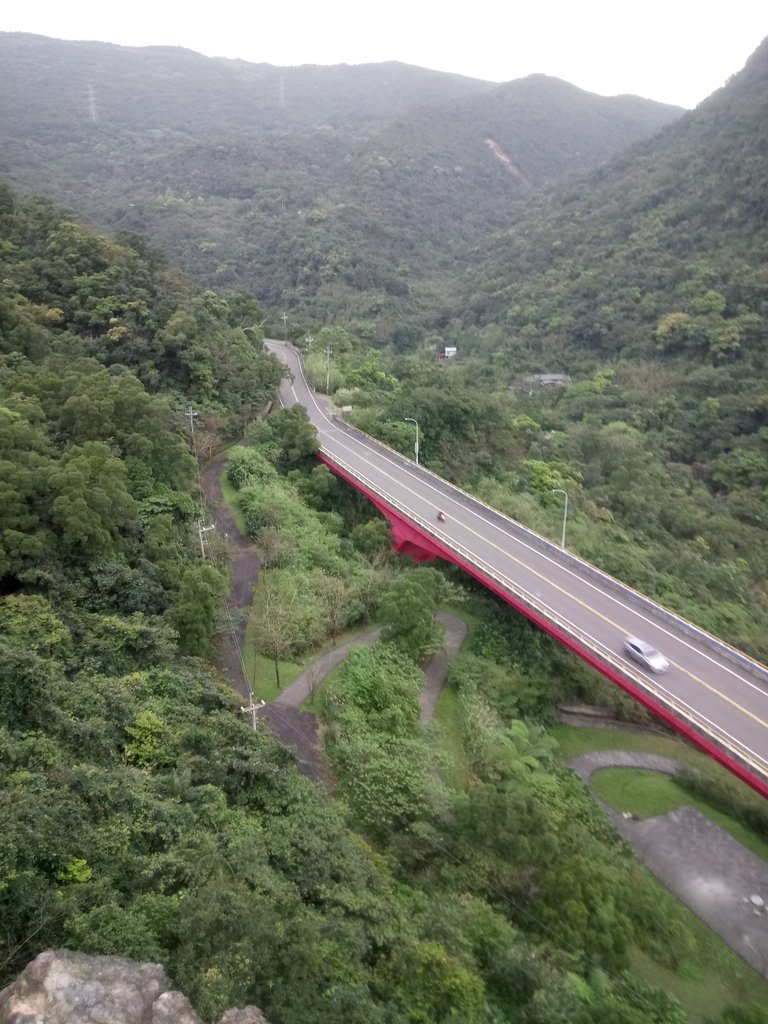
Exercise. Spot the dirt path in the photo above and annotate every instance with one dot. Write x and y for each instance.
(245, 565)
(300, 729)
(721, 881)
(304, 685)
(437, 667)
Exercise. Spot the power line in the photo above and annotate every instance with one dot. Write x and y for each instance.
(191, 416)
(93, 113)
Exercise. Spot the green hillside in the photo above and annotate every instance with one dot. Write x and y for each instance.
(598, 267)
(333, 191)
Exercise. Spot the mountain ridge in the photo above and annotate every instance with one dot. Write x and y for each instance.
(335, 191)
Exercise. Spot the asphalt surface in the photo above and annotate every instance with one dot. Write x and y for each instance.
(726, 701)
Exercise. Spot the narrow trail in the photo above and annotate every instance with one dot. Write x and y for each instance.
(245, 567)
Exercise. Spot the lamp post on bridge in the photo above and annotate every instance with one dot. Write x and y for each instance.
(410, 419)
(559, 490)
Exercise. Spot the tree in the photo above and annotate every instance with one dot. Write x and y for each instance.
(287, 617)
(379, 684)
(373, 539)
(194, 612)
(436, 987)
(407, 610)
(91, 504)
(295, 434)
(582, 901)
(342, 605)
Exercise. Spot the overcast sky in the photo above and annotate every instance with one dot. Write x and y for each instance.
(676, 51)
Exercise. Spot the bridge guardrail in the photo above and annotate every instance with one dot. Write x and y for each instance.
(757, 670)
(702, 725)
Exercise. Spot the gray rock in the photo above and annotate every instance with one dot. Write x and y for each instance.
(173, 1008)
(248, 1015)
(62, 987)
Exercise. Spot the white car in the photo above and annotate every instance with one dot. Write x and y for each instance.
(645, 655)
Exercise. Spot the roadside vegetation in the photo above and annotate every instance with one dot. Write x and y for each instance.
(702, 783)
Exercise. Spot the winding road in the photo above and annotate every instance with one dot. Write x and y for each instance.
(712, 693)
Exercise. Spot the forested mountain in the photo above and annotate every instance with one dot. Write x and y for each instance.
(459, 167)
(662, 250)
(333, 190)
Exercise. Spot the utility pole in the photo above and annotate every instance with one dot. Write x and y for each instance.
(285, 327)
(93, 112)
(253, 707)
(191, 416)
(559, 490)
(328, 354)
(200, 531)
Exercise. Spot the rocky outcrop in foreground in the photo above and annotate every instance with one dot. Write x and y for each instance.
(61, 987)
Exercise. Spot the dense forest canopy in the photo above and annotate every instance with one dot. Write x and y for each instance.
(675, 225)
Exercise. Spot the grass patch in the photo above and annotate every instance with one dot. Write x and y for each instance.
(230, 497)
(450, 735)
(261, 672)
(573, 740)
(643, 792)
(648, 793)
(718, 978)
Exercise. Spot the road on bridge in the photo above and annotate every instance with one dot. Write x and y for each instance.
(724, 698)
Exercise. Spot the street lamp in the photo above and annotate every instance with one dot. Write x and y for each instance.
(328, 354)
(410, 419)
(559, 490)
